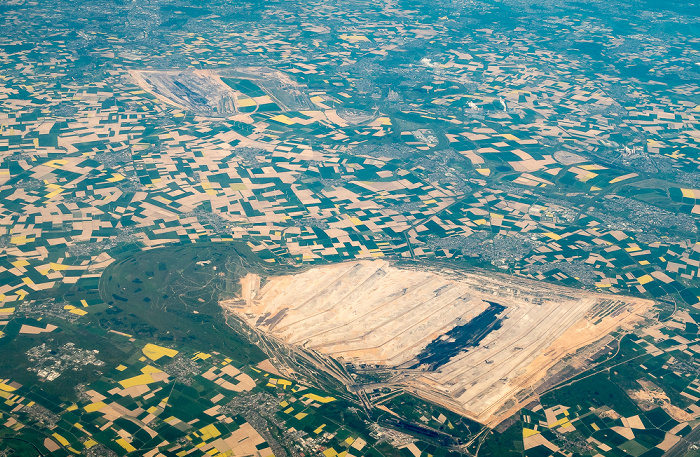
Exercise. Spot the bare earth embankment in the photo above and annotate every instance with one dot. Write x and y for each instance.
(372, 313)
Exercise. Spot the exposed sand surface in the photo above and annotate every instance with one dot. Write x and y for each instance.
(372, 313)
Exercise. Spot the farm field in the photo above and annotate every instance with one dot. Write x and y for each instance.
(398, 228)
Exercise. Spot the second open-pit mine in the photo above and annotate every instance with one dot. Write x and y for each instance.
(467, 341)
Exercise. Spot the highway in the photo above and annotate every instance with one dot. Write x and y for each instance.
(680, 448)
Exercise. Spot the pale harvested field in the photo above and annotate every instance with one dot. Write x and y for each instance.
(369, 312)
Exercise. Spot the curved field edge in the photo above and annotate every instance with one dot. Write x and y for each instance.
(171, 295)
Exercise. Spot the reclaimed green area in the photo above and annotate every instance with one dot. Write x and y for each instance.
(172, 295)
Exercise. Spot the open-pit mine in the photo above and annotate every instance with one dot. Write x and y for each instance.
(467, 341)
(211, 94)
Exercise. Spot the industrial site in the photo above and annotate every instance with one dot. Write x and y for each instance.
(466, 341)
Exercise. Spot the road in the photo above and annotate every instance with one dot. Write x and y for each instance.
(458, 199)
(24, 441)
(681, 447)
